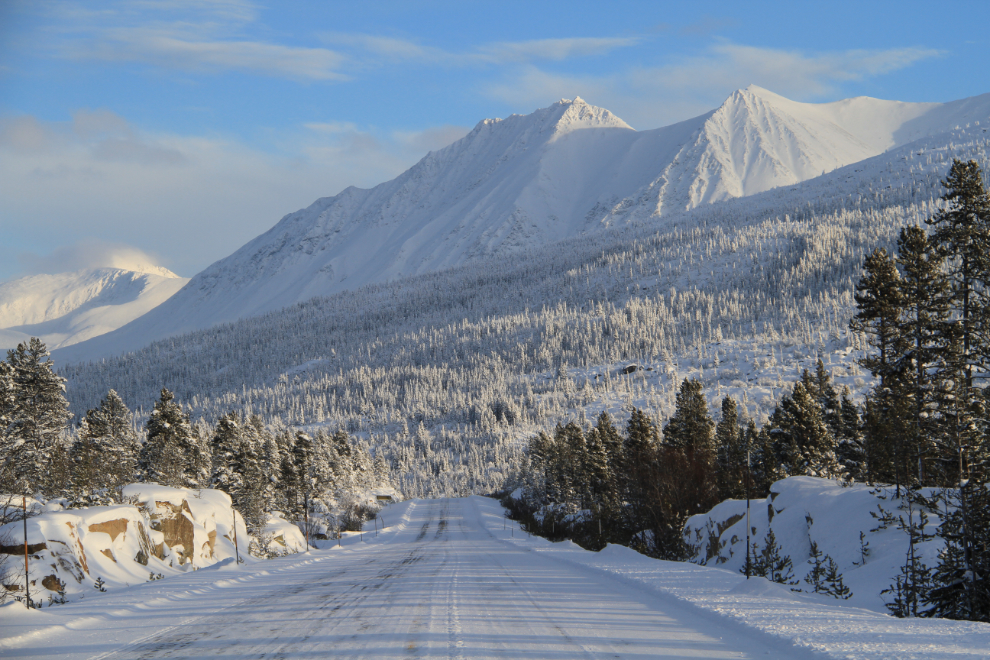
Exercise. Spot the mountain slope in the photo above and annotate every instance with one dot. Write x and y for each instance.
(531, 180)
(68, 308)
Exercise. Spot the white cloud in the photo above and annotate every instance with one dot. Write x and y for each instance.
(553, 49)
(173, 48)
(88, 253)
(190, 199)
(657, 96)
(791, 73)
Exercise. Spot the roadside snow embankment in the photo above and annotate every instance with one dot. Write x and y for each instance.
(837, 629)
(806, 510)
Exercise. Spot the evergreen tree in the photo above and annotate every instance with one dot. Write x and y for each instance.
(37, 418)
(730, 439)
(7, 407)
(962, 235)
(824, 393)
(642, 435)
(104, 456)
(691, 427)
(800, 436)
(926, 343)
(225, 447)
(166, 454)
(879, 307)
(850, 451)
(961, 581)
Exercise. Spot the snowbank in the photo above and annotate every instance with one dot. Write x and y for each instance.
(802, 510)
(846, 629)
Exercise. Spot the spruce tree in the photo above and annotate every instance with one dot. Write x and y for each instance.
(850, 451)
(961, 588)
(730, 440)
(37, 418)
(7, 403)
(691, 427)
(922, 367)
(166, 454)
(962, 235)
(104, 456)
(801, 437)
(225, 446)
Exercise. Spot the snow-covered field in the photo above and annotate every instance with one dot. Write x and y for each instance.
(453, 578)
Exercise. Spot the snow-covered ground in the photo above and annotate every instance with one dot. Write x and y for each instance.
(67, 308)
(453, 578)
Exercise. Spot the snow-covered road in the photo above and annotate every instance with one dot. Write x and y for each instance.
(437, 583)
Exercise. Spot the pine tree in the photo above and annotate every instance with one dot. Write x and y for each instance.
(961, 581)
(691, 427)
(104, 457)
(166, 454)
(800, 436)
(927, 342)
(962, 236)
(730, 440)
(37, 419)
(850, 450)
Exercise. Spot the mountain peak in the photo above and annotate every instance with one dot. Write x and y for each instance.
(580, 114)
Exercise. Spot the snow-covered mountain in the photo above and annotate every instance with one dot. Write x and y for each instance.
(531, 180)
(67, 308)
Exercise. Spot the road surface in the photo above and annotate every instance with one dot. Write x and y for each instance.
(437, 583)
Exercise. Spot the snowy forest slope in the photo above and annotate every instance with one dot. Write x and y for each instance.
(445, 371)
(527, 181)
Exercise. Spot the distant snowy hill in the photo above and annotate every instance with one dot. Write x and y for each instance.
(531, 180)
(68, 308)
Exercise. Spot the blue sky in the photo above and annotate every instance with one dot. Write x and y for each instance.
(184, 129)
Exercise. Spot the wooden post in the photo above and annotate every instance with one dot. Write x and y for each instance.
(306, 504)
(27, 577)
(748, 471)
(237, 551)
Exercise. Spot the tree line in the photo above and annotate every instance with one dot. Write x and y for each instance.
(263, 469)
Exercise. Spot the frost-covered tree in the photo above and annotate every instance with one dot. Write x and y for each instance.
(850, 450)
(168, 452)
(104, 455)
(37, 418)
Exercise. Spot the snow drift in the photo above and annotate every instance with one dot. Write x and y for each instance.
(803, 510)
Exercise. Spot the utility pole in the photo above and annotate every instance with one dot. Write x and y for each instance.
(237, 551)
(27, 577)
(306, 513)
(748, 473)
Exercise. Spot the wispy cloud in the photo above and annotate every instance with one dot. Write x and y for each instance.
(88, 253)
(209, 36)
(791, 73)
(173, 48)
(364, 49)
(649, 97)
(552, 49)
(194, 198)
